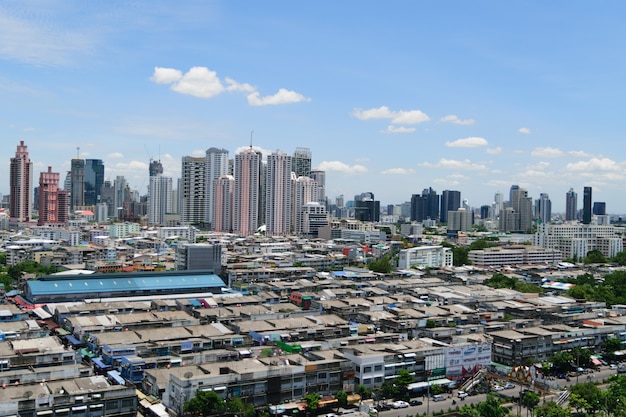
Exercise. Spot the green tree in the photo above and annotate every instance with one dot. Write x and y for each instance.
(594, 257)
(561, 361)
(530, 400)
(237, 406)
(591, 394)
(388, 390)
(460, 256)
(578, 403)
(363, 391)
(430, 324)
(619, 258)
(402, 381)
(205, 403)
(342, 398)
(312, 401)
(613, 344)
(551, 409)
(382, 265)
(491, 407)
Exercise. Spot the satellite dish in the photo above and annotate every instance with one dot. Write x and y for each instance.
(188, 375)
(28, 394)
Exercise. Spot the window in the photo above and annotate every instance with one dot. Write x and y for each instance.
(378, 368)
(367, 369)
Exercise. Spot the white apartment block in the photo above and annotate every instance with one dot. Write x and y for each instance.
(574, 239)
(119, 230)
(425, 256)
(515, 255)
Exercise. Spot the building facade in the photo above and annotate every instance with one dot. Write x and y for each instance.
(21, 186)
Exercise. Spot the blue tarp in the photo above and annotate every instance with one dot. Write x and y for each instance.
(73, 341)
(98, 362)
(116, 377)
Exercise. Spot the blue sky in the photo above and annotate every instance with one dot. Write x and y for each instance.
(391, 97)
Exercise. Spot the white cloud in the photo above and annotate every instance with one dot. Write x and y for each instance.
(204, 83)
(579, 154)
(115, 155)
(546, 152)
(338, 166)
(398, 129)
(398, 171)
(452, 118)
(494, 151)
(235, 86)
(283, 96)
(455, 164)
(402, 117)
(471, 142)
(524, 130)
(538, 166)
(594, 164)
(165, 75)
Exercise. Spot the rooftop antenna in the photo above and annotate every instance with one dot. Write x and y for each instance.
(78, 152)
(251, 132)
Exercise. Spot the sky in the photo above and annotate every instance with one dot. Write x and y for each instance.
(390, 97)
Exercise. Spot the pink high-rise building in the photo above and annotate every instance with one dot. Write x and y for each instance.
(52, 201)
(21, 186)
(223, 210)
(278, 194)
(247, 194)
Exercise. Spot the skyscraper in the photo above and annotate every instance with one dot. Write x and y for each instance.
(450, 201)
(52, 201)
(571, 205)
(278, 194)
(216, 165)
(77, 191)
(320, 177)
(305, 190)
(21, 185)
(599, 208)
(193, 192)
(94, 179)
(587, 205)
(543, 207)
(247, 191)
(159, 199)
(302, 162)
(223, 213)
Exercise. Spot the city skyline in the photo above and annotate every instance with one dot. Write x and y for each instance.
(390, 100)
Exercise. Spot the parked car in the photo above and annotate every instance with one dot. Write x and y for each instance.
(400, 404)
(462, 394)
(508, 385)
(373, 412)
(498, 388)
(438, 397)
(415, 402)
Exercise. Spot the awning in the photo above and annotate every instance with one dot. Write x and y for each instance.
(73, 341)
(98, 362)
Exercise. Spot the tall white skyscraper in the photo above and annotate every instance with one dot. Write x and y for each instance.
(247, 191)
(223, 212)
(305, 190)
(278, 194)
(543, 208)
(216, 165)
(193, 192)
(159, 199)
(320, 177)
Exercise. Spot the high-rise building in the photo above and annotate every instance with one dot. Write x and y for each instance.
(278, 194)
(302, 162)
(20, 185)
(77, 192)
(521, 204)
(121, 197)
(305, 190)
(159, 199)
(587, 205)
(498, 204)
(94, 179)
(460, 220)
(155, 168)
(571, 205)
(599, 208)
(216, 165)
(543, 208)
(52, 201)
(223, 212)
(425, 206)
(246, 199)
(320, 177)
(193, 192)
(450, 201)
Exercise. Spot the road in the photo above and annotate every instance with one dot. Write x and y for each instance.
(602, 374)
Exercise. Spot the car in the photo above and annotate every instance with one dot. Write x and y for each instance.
(613, 366)
(400, 404)
(462, 394)
(508, 385)
(373, 412)
(438, 397)
(498, 388)
(415, 402)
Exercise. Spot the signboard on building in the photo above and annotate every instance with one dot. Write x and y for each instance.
(467, 359)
